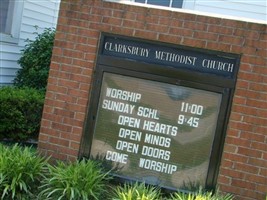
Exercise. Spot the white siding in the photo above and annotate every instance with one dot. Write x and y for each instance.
(245, 10)
(10, 53)
(40, 13)
(256, 10)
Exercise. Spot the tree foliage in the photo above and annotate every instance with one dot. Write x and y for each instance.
(35, 61)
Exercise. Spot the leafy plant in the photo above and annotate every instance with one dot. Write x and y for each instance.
(107, 165)
(182, 196)
(218, 196)
(201, 195)
(35, 61)
(21, 170)
(20, 113)
(137, 192)
(82, 180)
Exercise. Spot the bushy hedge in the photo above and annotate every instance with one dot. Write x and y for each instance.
(20, 113)
(20, 106)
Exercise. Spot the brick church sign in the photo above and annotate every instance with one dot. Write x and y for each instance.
(171, 98)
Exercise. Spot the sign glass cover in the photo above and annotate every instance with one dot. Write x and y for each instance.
(155, 132)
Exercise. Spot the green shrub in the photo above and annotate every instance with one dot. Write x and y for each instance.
(35, 61)
(82, 180)
(137, 192)
(143, 192)
(20, 172)
(201, 195)
(182, 196)
(20, 113)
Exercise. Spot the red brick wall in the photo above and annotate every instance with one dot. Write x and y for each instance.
(243, 170)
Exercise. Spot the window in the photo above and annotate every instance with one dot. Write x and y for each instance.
(10, 20)
(167, 3)
(6, 15)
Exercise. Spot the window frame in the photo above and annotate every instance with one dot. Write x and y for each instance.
(121, 68)
(170, 4)
(13, 36)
